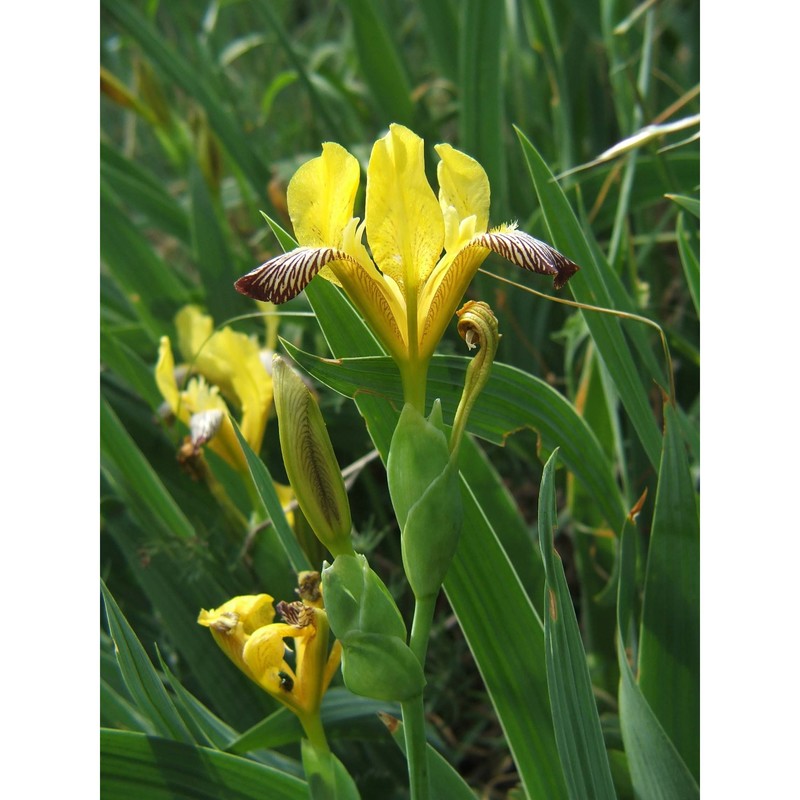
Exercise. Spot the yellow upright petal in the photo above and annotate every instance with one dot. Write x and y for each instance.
(194, 328)
(463, 186)
(321, 195)
(232, 361)
(405, 229)
(165, 375)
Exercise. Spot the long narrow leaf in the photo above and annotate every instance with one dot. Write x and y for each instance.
(690, 261)
(511, 400)
(209, 729)
(133, 766)
(266, 491)
(215, 262)
(136, 480)
(657, 770)
(144, 192)
(381, 63)
(140, 677)
(669, 648)
(577, 725)
(589, 286)
(152, 289)
(482, 119)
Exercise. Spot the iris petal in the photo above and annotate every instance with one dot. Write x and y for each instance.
(405, 229)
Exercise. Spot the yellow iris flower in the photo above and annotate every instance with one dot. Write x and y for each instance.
(229, 366)
(244, 629)
(424, 250)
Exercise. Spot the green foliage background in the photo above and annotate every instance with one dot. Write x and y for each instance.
(207, 110)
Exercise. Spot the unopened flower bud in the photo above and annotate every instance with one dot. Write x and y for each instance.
(425, 491)
(357, 600)
(376, 661)
(310, 461)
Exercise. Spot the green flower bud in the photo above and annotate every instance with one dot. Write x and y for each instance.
(357, 601)
(423, 483)
(376, 661)
(310, 461)
(381, 667)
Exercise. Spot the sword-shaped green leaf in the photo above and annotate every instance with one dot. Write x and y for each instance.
(577, 724)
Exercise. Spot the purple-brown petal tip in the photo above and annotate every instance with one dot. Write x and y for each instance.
(566, 269)
(248, 285)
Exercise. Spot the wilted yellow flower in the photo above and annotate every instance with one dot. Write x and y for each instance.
(244, 629)
(229, 370)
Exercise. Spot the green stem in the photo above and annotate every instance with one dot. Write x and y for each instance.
(318, 760)
(416, 747)
(414, 710)
(421, 627)
(312, 725)
(414, 375)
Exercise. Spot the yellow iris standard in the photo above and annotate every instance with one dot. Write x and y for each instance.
(424, 250)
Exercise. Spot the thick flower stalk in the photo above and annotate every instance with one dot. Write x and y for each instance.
(423, 251)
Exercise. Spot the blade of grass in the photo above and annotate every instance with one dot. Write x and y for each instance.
(589, 286)
(140, 677)
(441, 29)
(691, 204)
(553, 54)
(144, 192)
(136, 481)
(117, 356)
(272, 505)
(265, 9)
(214, 260)
(669, 648)
(382, 65)
(689, 260)
(152, 288)
(482, 123)
(657, 770)
(190, 77)
(577, 725)
(133, 766)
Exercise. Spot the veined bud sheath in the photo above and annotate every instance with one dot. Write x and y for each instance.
(310, 461)
(424, 486)
(376, 661)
